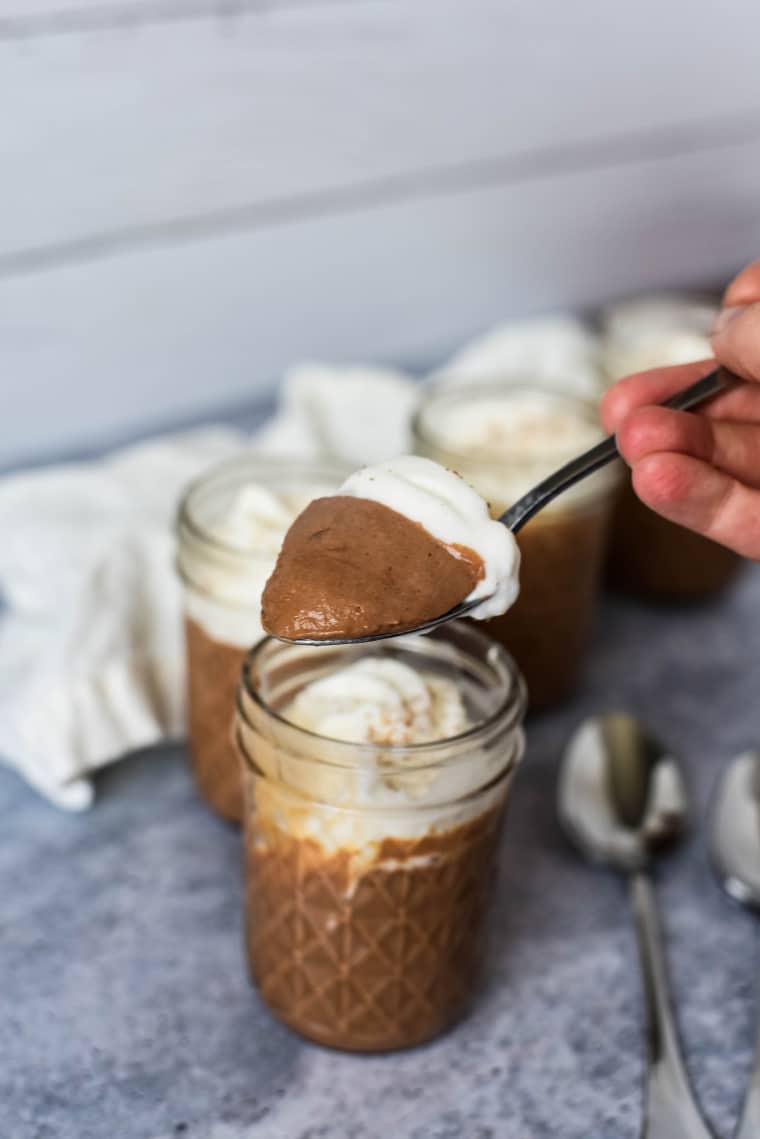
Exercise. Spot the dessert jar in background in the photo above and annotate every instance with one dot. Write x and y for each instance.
(504, 438)
(230, 525)
(650, 556)
(370, 866)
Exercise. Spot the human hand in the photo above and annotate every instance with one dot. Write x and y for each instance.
(700, 469)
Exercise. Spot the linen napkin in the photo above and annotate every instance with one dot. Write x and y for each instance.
(91, 656)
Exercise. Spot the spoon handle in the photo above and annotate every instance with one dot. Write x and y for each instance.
(671, 1111)
(604, 453)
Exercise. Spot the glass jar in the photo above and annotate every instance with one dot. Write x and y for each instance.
(648, 555)
(656, 332)
(370, 868)
(504, 439)
(653, 558)
(225, 555)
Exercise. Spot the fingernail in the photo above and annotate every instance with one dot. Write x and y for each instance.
(724, 318)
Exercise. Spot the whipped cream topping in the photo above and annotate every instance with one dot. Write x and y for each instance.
(381, 701)
(352, 800)
(656, 331)
(506, 440)
(452, 513)
(515, 424)
(258, 517)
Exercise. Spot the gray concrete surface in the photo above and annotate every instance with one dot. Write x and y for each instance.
(125, 1012)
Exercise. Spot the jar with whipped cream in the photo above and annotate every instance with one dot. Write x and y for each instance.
(375, 779)
(230, 526)
(504, 438)
(648, 555)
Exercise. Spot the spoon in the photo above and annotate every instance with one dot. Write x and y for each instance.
(540, 496)
(621, 799)
(736, 857)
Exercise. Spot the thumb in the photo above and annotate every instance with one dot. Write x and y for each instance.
(736, 340)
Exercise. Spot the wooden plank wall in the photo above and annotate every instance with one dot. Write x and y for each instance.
(195, 193)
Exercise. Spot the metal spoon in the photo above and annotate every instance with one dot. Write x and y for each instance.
(540, 496)
(735, 848)
(621, 799)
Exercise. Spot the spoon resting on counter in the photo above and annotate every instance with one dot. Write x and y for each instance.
(735, 850)
(622, 802)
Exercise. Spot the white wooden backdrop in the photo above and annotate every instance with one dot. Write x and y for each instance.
(193, 194)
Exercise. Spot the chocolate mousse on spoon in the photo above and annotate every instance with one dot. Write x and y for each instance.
(407, 545)
(397, 546)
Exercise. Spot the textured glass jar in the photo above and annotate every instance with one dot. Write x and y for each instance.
(562, 548)
(649, 556)
(370, 868)
(222, 600)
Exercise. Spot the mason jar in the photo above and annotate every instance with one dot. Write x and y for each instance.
(504, 438)
(650, 556)
(230, 525)
(370, 868)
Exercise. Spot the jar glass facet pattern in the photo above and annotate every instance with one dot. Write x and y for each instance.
(370, 869)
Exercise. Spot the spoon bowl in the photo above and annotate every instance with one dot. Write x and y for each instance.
(735, 846)
(621, 797)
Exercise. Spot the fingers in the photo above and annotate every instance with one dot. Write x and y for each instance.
(741, 403)
(736, 344)
(736, 336)
(647, 388)
(736, 339)
(731, 447)
(694, 494)
(700, 470)
(744, 289)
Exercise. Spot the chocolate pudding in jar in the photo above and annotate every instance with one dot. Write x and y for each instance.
(230, 526)
(504, 438)
(375, 784)
(650, 556)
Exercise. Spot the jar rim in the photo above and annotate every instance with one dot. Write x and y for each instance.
(506, 717)
(443, 389)
(476, 793)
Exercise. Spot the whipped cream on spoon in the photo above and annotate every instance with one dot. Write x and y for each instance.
(411, 487)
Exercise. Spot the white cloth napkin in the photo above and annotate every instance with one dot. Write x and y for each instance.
(91, 660)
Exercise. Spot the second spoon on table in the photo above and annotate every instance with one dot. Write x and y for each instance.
(621, 799)
(735, 843)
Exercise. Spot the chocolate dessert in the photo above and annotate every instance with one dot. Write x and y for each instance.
(548, 627)
(370, 855)
(649, 556)
(382, 960)
(230, 526)
(350, 567)
(213, 672)
(504, 439)
(654, 558)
